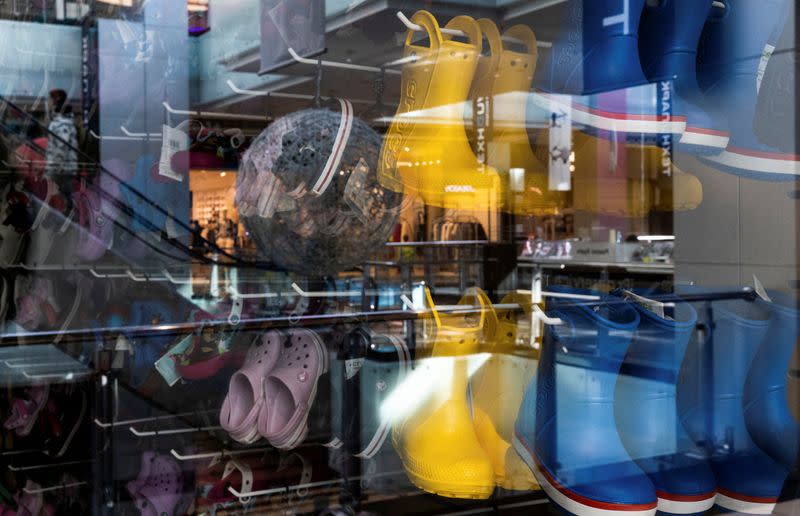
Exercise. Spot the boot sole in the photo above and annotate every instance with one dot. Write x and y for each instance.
(574, 503)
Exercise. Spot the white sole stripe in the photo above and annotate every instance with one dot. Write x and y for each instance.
(707, 140)
(568, 504)
(680, 507)
(744, 162)
(732, 504)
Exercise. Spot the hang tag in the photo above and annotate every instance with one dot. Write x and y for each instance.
(271, 194)
(766, 55)
(121, 348)
(174, 141)
(170, 226)
(760, 290)
(651, 305)
(122, 344)
(166, 364)
(359, 198)
(352, 367)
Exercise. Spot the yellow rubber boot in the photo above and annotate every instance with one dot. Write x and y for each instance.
(497, 391)
(629, 180)
(426, 150)
(437, 442)
(503, 82)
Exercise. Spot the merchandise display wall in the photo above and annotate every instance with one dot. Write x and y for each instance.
(476, 256)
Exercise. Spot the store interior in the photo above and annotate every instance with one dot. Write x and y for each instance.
(355, 257)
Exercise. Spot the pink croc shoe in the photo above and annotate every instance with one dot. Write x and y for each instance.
(159, 488)
(25, 412)
(291, 388)
(29, 504)
(245, 399)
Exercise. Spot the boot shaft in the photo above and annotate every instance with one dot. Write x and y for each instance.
(668, 37)
(598, 50)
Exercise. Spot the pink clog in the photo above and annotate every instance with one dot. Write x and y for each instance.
(291, 387)
(246, 397)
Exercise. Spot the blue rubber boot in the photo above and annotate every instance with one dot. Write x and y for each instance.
(646, 410)
(733, 54)
(596, 59)
(774, 123)
(766, 400)
(565, 430)
(710, 405)
(668, 37)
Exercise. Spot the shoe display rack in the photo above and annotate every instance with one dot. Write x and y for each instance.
(494, 257)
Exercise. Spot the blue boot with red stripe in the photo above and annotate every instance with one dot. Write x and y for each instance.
(596, 60)
(646, 409)
(734, 51)
(767, 391)
(565, 430)
(711, 405)
(669, 34)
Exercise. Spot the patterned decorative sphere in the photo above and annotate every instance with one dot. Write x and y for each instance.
(308, 192)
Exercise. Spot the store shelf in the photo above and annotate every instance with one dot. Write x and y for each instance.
(631, 267)
(525, 8)
(31, 364)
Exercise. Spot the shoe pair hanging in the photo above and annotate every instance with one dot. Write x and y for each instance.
(633, 65)
(734, 55)
(740, 413)
(426, 151)
(252, 473)
(272, 394)
(450, 445)
(599, 425)
(29, 502)
(500, 91)
(375, 366)
(628, 125)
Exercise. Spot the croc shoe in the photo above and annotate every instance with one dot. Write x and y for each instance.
(158, 489)
(24, 412)
(246, 390)
(291, 387)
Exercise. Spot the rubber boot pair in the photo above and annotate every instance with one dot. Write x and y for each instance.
(624, 163)
(714, 403)
(735, 50)
(426, 151)
(599, 428)
(646, 405)
(436, 440)
(566, 429)
(669, 34)
(500, 95)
